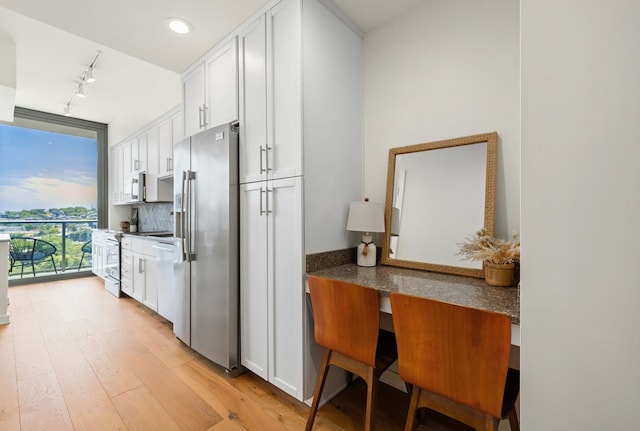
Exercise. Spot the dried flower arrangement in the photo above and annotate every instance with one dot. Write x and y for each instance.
(486, 248)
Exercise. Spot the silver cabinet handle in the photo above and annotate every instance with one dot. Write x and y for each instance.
(200, 117)
(205, 123)
(262, 149)
(269, 200)
(261, 210)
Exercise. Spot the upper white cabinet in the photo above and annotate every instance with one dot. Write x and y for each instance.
(210, 90)
(270, 95)
(165, 148)
(150, 151)
(194, 106)
(222, 85)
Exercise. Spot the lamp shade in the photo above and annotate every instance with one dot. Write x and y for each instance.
(366, 216)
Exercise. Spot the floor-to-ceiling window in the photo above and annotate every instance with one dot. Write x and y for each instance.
(52, 193)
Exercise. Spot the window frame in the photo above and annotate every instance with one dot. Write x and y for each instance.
(102, 135)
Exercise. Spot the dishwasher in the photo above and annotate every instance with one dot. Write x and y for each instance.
(164, 251)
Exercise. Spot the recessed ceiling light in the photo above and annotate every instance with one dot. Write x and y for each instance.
(179, 25)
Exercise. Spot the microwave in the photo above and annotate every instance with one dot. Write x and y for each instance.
(135, 188)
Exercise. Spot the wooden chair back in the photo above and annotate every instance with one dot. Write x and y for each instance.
(345, 317)
(458, 352)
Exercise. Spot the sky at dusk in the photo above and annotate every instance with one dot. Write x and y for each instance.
(40, 169)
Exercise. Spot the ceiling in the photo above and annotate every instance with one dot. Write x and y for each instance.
(56, 41)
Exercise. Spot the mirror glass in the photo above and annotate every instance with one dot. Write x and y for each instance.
(438, 193)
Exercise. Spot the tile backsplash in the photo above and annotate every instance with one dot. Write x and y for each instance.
(155, 217)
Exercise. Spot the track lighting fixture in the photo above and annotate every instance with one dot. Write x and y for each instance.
(80, 90)
(86, 76)
(89, 75)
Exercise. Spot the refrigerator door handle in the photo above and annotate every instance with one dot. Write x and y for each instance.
(190, 216)
(183, 217)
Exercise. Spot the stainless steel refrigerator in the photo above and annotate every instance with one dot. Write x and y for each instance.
(206, 249)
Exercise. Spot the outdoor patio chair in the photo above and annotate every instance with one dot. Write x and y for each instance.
(29, 251)
(86, 249)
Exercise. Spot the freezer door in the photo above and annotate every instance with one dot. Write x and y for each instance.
(181, 267)
(214, 271)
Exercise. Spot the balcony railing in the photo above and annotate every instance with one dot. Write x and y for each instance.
(68, 236)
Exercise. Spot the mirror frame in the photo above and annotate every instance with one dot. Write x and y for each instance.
(489, 201)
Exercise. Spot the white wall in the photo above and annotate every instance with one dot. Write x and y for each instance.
(150, 102)
(444, 70)
(580, 297)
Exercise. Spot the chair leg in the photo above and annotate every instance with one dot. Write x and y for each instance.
(513, 420)
(413, 405)
(81, 258)
(54, 265)
(372, 396)
(33, 268)
(318, 392)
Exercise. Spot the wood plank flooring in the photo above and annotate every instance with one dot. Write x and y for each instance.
(74, 357)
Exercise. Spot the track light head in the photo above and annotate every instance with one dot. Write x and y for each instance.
(88, 77)
(80, 90)
(67, 110)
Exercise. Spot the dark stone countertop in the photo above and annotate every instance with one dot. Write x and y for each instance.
(467, 291)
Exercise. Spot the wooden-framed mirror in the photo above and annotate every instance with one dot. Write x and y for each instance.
(437, 194)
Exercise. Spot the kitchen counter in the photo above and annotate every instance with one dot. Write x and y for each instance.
(467, 291)
(150, 235)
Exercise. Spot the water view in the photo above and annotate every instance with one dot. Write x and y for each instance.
(48, 192)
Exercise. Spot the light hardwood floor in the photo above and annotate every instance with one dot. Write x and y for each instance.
(74, 357)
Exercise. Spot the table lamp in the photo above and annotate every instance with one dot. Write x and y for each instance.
(367, 217)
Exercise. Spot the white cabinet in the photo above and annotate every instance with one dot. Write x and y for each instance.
(149, 151)
(117, 174)
(165, 148)
(271, 275)
(271, 95)
(222, 85)
(210, 90)
(138, 266)
(98, 254)
(194, 106)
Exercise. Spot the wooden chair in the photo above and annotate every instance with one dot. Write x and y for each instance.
(457, 359)
(347, 323)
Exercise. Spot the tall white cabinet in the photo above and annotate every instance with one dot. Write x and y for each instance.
(271, 275)
(300, 114)
(300, 165)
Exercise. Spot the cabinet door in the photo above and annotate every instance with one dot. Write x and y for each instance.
(177, 126)
(165, 148)
(253, 278)
(139, 276)
(126, 272)
(284, 78)
(117, 174)
(139, 154)
(150, 297)
(222, 84)
(151, 186)
(193, 88)
(286, 300)
(253, 102)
